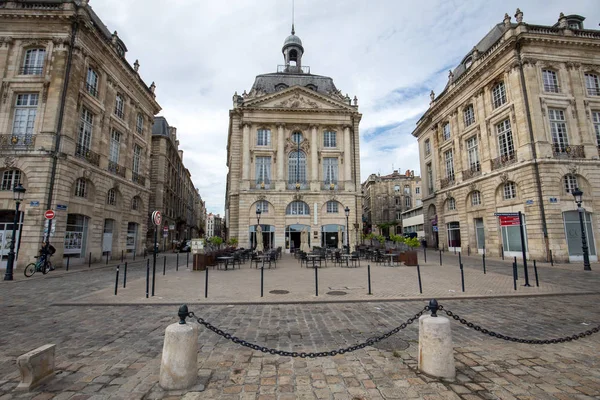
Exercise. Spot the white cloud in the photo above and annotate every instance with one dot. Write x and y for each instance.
(389, 53)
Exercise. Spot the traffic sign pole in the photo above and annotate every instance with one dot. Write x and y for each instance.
(523, 248)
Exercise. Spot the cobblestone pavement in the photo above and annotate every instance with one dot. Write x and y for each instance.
(108, 352)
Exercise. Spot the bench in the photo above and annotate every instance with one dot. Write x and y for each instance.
(36, 367)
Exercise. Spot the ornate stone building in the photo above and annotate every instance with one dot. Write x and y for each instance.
(386, 197)
(293, 153)
(517, 128)
(75, 130)
(172, 190)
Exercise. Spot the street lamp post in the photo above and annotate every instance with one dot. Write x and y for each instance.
(258, 212)
(347, 212)
(578, 195)
(18, 194)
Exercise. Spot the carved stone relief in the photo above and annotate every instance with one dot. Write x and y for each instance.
(297, 101)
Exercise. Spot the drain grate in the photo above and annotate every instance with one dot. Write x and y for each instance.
(279, 291)
(337, 293)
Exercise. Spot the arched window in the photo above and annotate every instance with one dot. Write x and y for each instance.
(10, 179)
(280, 86)
(476, 198)
(311, 87)
(297, 167)
(263, 206)
(139, 124)
(510, 191)
(119, 106)
(91, 82)
(111, 197)
(297, 137)
(332, 207)
(81, 188)
(297, 208)
(570, 181)
(451, 204)
(33, 63)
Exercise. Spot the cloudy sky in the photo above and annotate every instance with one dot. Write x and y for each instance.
(389, 53)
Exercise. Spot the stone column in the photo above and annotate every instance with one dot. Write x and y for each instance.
(281, 157)
(436, 354)
(246, 152)
(347, 156)
(314, 163)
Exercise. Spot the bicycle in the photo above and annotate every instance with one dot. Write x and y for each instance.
(38, 266)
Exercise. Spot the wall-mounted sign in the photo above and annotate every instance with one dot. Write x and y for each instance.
(529, 202)
(553, 200)
(509, 220)
(61, 207)
(34, 203)
(172, 227)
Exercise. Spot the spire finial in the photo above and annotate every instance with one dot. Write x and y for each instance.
(293, 30)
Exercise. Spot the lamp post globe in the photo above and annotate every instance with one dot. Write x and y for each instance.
(347, 212)
(18, 195)
(578, 196)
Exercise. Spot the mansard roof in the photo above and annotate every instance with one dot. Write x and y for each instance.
(274, 82)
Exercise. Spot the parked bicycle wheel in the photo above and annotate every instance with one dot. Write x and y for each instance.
(29, 270)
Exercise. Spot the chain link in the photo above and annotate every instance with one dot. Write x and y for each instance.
(491, 333)
(369, 342)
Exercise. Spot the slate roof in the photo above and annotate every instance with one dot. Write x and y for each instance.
(160, 126)
(268, 82)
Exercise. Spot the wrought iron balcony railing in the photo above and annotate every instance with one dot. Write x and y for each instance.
(261, 185)
(593, 91)
(88, 155)
(568, 151)
(550, 88)
(116, 169)
(504, 160)
(473, 171)
(137, 178)
(17, 142)
(445, 182)
(332, 185)
(32, 70)
(297, 185)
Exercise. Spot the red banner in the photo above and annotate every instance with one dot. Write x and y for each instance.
(509, 220)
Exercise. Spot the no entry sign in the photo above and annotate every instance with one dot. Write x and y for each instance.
(157, 218)
(49, 214)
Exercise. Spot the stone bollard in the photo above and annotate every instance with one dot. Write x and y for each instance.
(436, 353)
(179, 364)
(36, 367)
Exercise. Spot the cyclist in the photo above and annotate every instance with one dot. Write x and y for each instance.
(47, 251)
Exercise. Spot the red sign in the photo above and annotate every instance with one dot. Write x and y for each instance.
(157, 218)
(509, 220)
(165, 229)
(49, 214)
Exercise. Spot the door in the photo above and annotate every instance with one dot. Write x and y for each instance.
(75, 235)
(6, 226)
(132, 229)
(480, 235)
(573, 235)
(107, 236)
(454, 236)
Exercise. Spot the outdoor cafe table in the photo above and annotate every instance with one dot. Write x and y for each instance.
(226, 259)
(391, 256)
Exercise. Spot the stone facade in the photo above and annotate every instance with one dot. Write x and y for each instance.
(516, 129)
(71, 111)
(172, 190)
(293, 152)
(214, 225)
(386, 197)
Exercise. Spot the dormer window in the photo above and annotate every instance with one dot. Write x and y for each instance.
(574, 25)
(311, 87)
(468, 62)
(280, 86)
(120, 50)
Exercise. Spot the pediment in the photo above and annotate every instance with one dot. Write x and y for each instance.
(298, 98)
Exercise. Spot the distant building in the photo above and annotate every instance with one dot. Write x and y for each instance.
(412, 222)
(214, 225)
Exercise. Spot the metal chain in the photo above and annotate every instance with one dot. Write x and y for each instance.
(519, 340)
(368, 342)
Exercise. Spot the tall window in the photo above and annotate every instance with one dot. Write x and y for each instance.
(558, 128)
(85, 129)
(398, 202)
(115, 147)
(451, 204)
(329, 139)
(263, 170)
(25, 112)
(330, 170)
(469, 115)
(427, 147)
(332, 207)
(10, 179)
(476, 198)
(263, 137)
(446, 131)
(91, 82)
(297, 208)
(449, 158)
(596, 120)
(262, 206)
(498, 95)
(505, 139)
(407, 189)
(111, 197)
(33, 64)
(297, 137)
(297, 167)
(135, 203)
(418, 190)
(570, 183)
(137, 157)
(510, 191)
(139, 123)
(550, 81)
(81, 187)
(429, 178)
(473, 154)
(407, 202)
(119, 106)
(592, 84)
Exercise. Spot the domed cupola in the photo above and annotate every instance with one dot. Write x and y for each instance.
(292, 51)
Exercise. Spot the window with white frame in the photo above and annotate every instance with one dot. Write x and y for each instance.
(451, 204)
(449, 159)
(476, 198)
(330, 170)
(263, 170)
(10, 179)
(469, 115)
(139, 123)
(446, 131)
(418, 190)
(498, 95)
(135, 203)
(510, 191)
(263, 137)
(81, 187)
(111, 197)
(596, 121)
(262, 206)
(407, 202)
(570, 181)
(550, 80)
(558, 128)
(119, 106)
(297, 208)
(297, 167)
(25, 113)
(137, 158)
(91, 82)
(115, 146)
(592, 84)
(506, 146)
(33, 63)
(473, 154)
(332, 207)
(85, 129)
(329, 139)
(427, 147)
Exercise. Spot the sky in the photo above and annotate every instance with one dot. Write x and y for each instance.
(388, 53)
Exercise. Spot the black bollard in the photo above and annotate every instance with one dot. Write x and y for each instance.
(462, 277)
(468, 250)
(187, 260)
(369, 276)
(517, 269)
(262, 280)
(147, 277)
(164, 265)
(68, 258)
(316, 281)
(440, 257)
(107, 258)
(206, 283)
(424, 254)
(153, 274)
(117, 281)
(483, 258)
(537, 282)
(551, 259)
(459, 259)
(502, 251)
(419, 276)
(125, 277)
(177, 264)
(515, 275)
(90, 261)
(121, 255)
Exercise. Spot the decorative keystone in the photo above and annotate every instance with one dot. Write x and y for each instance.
(184, 313)
(433, 307)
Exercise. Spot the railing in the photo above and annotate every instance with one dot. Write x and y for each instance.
(263, 185)
(119, 113)
(88, 155)
(549, 88)
(593, 91)
(32, 70)
(297, 186)
(293, 69)
(546, 30)
(473, 171)
(332, 185)
(586, 33)
(137, 178)
(91, 90)
(571, 151)
(504, 160)
(445, 182)
(41, 6)
(17, 142)
(116, 168)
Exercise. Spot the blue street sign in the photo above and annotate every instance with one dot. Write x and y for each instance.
(34, 203)
(61, 207)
